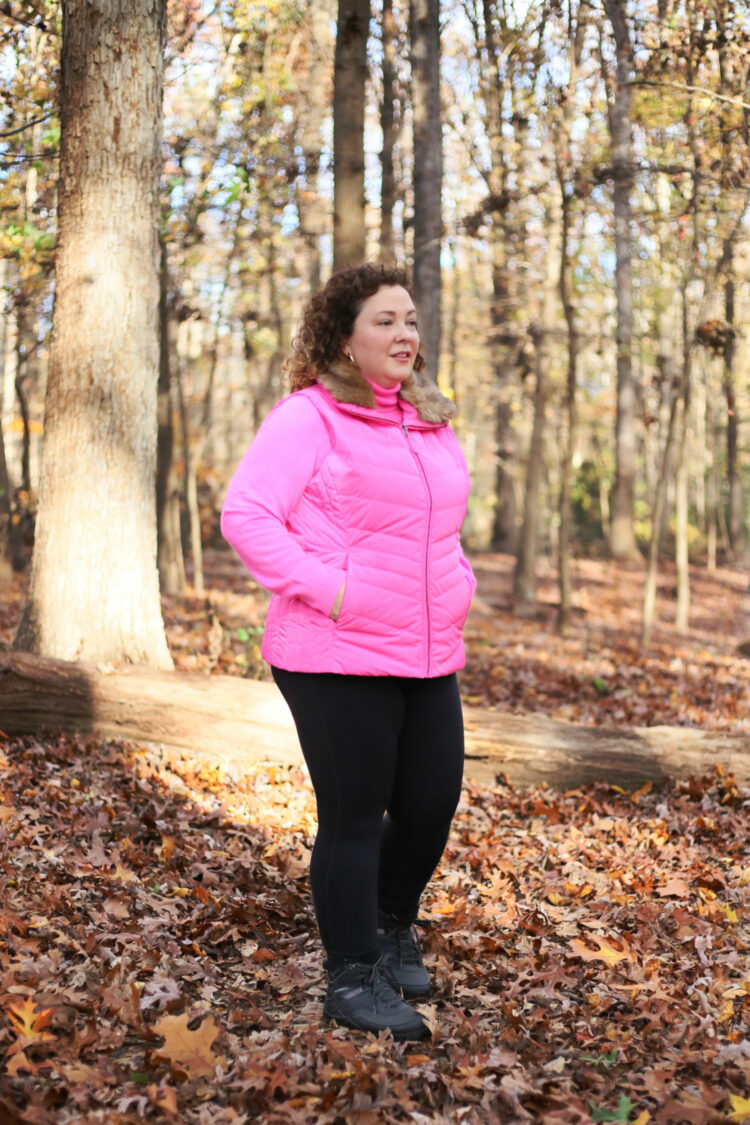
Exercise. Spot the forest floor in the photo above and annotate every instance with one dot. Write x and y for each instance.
(159, 959)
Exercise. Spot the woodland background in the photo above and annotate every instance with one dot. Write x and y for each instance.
(569, 184)
(593, 249)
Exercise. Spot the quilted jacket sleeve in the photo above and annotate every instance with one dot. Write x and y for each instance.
(284, 456)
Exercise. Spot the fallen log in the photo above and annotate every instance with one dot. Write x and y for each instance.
(237, 723)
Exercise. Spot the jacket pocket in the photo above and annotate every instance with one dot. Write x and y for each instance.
(299, 624)
(354, 605)
(367, 609)
(470, 586)
(457, 600)
(470, 576)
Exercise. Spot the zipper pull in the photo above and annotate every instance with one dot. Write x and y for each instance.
(405, 428)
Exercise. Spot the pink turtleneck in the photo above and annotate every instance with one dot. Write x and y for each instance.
(387, 400)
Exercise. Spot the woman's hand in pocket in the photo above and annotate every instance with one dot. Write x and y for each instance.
(336, 607)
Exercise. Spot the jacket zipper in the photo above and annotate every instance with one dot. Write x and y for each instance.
(402, 426)
(423, 474)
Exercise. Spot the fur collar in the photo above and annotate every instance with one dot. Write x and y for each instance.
(346, 383)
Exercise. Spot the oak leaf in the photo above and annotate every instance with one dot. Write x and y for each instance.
(26, 1020)
(189, 1052)
(606, 951)
(674, 888)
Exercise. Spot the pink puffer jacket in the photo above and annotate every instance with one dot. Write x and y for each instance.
(332, 491)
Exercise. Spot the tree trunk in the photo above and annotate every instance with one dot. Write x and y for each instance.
(504, 524)
(24, 350)
(724, 15)
(682, 560)
(712, 484)
(666, 331)
(503, 342)
(94, 589)
(524, 575)
(349, 81)
(503, 349)
(622, 533)
(424, 23)
(310, 206)
(169, 554)
(660, 504)
(601, 465)
(11, 552)
(5, 486)
(6, 568)
(682, 610)
(237, 723)
(578, 20)
(571, 404)
(388, 126)
(736, 517)
(454, 319)
(189, 458)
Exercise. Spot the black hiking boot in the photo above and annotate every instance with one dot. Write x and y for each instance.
(400, 946)
(366, 998)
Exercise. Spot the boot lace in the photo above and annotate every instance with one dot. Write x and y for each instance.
(408, 946)
(383, 984)
(402, 945)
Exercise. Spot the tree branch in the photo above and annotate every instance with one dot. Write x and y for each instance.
(687, 89)
(38, 24)
(26, 125)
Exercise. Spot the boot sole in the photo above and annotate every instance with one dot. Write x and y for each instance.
(399, 1034)
(416, 993)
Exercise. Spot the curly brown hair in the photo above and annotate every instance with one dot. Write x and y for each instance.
(329, 318)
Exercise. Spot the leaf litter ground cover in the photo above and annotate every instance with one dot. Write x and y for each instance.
(159, 959)
(158, 953)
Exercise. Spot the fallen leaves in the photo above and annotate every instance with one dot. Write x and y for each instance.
(159, 959)
(598, 673)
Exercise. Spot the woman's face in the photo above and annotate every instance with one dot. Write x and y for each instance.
(384, 341)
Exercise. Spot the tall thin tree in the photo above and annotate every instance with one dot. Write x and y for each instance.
(389, 129)
(622, 532)
(424, 23)
(349, 84)
(524, 573)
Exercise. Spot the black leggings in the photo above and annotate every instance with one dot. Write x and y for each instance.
(385, 755)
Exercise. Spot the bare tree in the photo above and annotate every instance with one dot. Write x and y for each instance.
(349, 81)
(389, 128)
(424, 21)
(622, 533)
(524, 574)
(94, 589)
(577, 22)
(310, 206)
(170, 556)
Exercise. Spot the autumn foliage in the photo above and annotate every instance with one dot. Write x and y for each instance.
(159, 960)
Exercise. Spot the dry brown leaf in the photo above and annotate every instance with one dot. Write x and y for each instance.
(605, 951)
(190, 1052)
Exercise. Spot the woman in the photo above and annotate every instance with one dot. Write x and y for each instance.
(347, 506)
